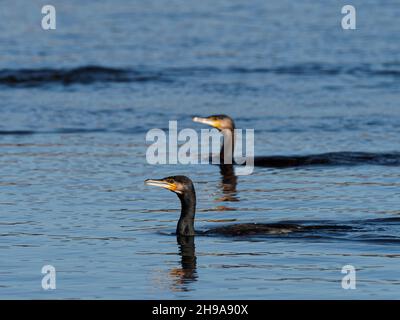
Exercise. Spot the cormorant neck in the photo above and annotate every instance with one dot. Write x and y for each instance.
(227, 149)
(188, 209)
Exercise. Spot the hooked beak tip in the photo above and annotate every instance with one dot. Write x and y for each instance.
(161, 184)
(152, 182)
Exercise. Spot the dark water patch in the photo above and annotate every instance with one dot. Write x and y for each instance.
(80, 75)
(377, 239)
(16, 132)
(78, 130)
(66, 131)
(302, 69)
(390, 220)
(55, 131)
(91, 74)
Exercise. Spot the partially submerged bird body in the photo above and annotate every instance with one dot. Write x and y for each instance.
(329, 158)
(226, 126)
(279, 228)
(248, 229)
(184, 189)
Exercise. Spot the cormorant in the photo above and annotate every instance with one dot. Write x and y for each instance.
(184, 189)
(226, 126)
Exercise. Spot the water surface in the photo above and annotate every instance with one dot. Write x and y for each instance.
(77, 102)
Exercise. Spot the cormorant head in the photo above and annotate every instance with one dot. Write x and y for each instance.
(179, 184)
(219, 121)
(183, 187)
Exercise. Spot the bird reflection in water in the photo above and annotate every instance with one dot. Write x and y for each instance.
(182, 277)
(228, 185)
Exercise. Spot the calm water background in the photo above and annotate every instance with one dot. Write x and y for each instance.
(72, 146)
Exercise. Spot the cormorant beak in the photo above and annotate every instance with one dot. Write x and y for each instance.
(162, 184)
(213, 123)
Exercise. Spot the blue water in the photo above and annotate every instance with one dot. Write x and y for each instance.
(77, 102)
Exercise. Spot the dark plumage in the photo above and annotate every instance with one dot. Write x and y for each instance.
(183, 187)
(226, 126)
